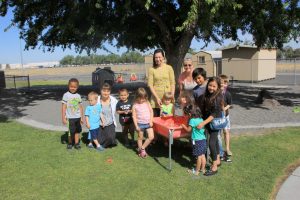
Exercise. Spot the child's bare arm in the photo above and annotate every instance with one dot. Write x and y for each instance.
(63, 113)
(227, 107)
(186, 128)
(87, 122)
(135, 119)
(81, 113)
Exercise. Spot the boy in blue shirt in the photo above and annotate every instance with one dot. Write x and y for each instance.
(92, 118)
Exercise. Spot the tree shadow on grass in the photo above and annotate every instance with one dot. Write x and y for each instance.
(3, 119)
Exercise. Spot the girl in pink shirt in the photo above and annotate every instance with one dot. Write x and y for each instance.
(142, 115)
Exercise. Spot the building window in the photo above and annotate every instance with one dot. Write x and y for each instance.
(201, 59)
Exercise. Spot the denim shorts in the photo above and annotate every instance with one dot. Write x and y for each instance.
(144, 127)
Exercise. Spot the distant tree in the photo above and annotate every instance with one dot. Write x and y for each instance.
(67, 60)
(147, 24)
(297, 53)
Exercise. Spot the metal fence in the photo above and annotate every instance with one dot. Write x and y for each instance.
(14, 82)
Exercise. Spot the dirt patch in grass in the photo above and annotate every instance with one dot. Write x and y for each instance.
(287, 172)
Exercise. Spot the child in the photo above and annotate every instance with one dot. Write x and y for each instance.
(199, 76)
(167, 107)
(92, 119)
(211, 105)
(198, 138)
(124, 109)
(184, 100)
(107, 135)
(72, 113)
(142, 115)
(227, 105)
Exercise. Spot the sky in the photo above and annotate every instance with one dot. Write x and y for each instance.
(12, 48)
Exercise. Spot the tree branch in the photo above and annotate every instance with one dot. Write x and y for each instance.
(166, 34)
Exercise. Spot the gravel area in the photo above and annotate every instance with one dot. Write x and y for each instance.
(41, 106)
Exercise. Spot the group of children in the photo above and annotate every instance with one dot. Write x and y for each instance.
(138, 115)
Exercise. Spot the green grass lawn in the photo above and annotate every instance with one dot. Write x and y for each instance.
(35, 165)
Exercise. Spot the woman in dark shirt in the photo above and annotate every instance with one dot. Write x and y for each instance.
(211, 104)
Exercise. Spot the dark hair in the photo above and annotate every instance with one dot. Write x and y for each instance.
(209, 99)
(194, 112)
(199, 71)
(73, 80)
(106, 86)
(158, 51)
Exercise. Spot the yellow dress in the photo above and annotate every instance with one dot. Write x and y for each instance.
(162, 79)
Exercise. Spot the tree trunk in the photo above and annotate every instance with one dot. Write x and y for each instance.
(175, 56)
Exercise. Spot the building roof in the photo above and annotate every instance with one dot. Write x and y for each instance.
(240, 46)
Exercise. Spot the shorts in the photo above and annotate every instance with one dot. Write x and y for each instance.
(199, 147)
(94, 133)
(74, 126)
(228, 123)
(144, 127)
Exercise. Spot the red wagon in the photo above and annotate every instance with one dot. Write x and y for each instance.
(170, 127)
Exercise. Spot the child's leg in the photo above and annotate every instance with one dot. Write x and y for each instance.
(149, 139)
(131, 131)
(125, 133)
(76, 138)
(203, 162)
(227, 141)
(198, 165)
(220, 143)
(140, 139)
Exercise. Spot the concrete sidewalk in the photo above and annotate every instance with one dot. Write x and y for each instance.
(290, 189)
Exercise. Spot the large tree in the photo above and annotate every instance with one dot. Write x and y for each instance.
(146, 24)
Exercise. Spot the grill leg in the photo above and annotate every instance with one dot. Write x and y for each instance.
(170, 148)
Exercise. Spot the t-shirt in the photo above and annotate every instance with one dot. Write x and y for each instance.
(227, 100)
(93, 112)
(197, 134)
(199, 90)
(143, 113)
(124, 106)
(73, 102)
(167, 109)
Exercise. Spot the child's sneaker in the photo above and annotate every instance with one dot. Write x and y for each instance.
(142, 153)
(229, 153)
(77, 146)
(69, 146)
(100, 148)
(90, 146)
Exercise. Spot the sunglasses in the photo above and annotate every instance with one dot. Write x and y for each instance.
(187, 65)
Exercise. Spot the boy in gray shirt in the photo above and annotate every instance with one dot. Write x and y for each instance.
(72, 113)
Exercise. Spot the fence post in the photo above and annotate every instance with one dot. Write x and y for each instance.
(251, 71)
(295, 75)
(15, 82)
(28, 81)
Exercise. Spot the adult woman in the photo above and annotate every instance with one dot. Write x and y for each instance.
(160, 80)
(185, 80)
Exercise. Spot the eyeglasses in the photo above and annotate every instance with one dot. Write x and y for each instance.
(187, 65)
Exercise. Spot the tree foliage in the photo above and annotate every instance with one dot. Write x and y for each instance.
(288, 53)
(128, 57)
(146, 24)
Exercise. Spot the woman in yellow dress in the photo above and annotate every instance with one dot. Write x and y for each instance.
(160, 80)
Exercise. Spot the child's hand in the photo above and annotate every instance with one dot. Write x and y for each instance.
(200, 126)
(81, 121)
(137, 129)
(88, 126)
(64, 121)
(183, 126)
(151, 124)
